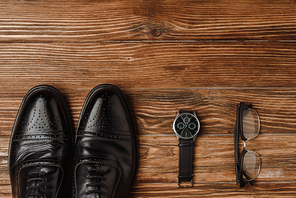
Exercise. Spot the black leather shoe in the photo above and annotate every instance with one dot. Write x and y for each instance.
(106, 148)
(40, 145)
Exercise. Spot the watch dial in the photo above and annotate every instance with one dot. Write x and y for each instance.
(186, 125)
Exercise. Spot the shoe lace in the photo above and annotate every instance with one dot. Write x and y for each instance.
(97, 176)
(34, 188)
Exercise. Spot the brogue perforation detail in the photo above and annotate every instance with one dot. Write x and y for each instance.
(102, 118)
(106, 132)
(39, 120)
(41, 136)
(40, 146)
(103, 135)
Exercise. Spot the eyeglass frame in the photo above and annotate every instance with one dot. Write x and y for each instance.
(239, 127)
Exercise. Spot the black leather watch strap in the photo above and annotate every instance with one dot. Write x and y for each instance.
(185, 161)
(183, 111)
(185, 158)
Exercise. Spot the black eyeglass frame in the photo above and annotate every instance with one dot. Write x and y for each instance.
(239, 129)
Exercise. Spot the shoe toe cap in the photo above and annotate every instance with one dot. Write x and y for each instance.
(41, 112)
(106, 112)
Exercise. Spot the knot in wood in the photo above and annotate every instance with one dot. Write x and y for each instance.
(156, 32)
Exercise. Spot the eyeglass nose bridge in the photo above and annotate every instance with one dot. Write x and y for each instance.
(244, 145)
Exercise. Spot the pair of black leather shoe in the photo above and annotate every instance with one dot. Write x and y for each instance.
(42, 145)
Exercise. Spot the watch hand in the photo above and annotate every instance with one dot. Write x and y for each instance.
(184, 129)
(182, 132)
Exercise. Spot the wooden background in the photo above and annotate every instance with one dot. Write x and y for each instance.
(165, 55)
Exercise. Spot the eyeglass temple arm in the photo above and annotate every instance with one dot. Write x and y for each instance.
(236, 157)
(236, 153)
(247, 176)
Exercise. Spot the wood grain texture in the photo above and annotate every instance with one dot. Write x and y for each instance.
(215, 190)
(91, 21)
(149, 65)
(168, 55)
(154, 109)
(213, 160)
(214, 148)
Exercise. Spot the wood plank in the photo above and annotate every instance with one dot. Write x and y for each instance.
(5, 191)
(213, 166)
(165, 55)
(92, 21)
(149, 65)
(213, 159)
(154, 109)
(216, 109)
(201, 190)
(214, 190)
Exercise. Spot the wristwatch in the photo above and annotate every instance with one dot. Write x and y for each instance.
(186, 126)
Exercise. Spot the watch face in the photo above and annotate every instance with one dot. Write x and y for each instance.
(186, 125)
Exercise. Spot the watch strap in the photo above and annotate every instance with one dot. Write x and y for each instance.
(183, 111)
(185, 161)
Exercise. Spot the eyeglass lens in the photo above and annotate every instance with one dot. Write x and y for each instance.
(251, 123)
(251, 165)
(251, 127)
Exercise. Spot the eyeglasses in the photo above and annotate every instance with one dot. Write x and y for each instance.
(248, 126)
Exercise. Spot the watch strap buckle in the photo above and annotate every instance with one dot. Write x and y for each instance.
(183, 184)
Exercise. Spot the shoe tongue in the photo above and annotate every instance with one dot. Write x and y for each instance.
(40, 179)
(96, 179)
